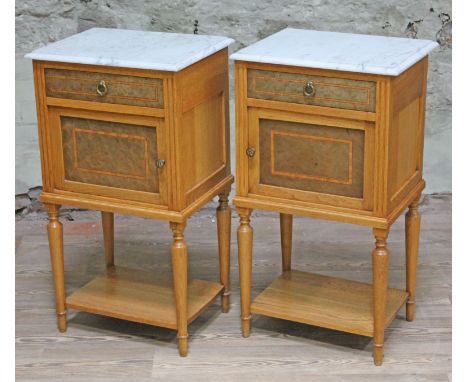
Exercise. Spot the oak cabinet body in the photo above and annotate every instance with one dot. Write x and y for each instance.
(343, 145)
(142, 141)
(363, 164)
(105, 149)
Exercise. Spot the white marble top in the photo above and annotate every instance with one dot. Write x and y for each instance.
(132, 49)
(338, 51)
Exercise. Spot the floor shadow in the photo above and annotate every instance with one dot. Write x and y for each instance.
(303, 332)
(134, 331)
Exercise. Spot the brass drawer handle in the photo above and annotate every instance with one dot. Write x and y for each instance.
(101, 89)
(160, 163)
(309, 89)
(250, 152)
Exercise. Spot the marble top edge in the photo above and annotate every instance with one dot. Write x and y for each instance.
(132, 49)
(370, 54)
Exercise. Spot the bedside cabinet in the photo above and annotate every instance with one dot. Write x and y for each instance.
(136, 123)
(331, 126)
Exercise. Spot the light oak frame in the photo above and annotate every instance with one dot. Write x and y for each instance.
(389, 187)
(195, 98)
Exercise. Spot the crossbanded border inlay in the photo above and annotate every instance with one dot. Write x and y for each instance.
(324, 84)
(116, 135)
(274, 171)
(156, 98)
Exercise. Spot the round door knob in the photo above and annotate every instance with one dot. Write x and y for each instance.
(309, 89)
(250, 152)
(160, 163)
(101, 88)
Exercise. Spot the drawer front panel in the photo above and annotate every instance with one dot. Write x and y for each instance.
(330, 92)
(309, 157)
(120, 89)
(109, 154)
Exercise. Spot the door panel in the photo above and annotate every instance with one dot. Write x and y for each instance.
(312, 157)
(100, 155)
(309, 158)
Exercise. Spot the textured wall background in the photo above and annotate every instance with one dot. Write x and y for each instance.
(39, 22)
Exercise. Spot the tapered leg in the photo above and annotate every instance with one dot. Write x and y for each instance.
(55, 234)
(380, 283)
(179, 274)
(286, 223)
(413, 224)
(108, 233)
(245, 242)
(223, 217)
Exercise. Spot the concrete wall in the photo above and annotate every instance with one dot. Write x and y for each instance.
(39, 22)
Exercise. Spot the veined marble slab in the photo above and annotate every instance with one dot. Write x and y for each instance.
(132, 49)
(337, 51)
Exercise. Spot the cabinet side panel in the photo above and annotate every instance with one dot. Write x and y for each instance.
(406, 132)
(403, 140)
(204, 154)
(203, 130)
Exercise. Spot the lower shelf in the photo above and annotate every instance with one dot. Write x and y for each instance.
(135, 295)
(326, 302)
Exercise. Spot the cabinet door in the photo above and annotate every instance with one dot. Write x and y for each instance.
(308, 158)
(106, 154)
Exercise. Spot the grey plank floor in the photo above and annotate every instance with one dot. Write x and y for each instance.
(98, 348)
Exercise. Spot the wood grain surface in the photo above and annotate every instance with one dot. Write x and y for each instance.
(137, 295)
(325, 301)
(98, 348)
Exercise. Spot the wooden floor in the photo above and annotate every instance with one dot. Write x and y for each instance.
(97, 348)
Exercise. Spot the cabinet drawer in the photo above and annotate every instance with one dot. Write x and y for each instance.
(306, 89)
(104, 87)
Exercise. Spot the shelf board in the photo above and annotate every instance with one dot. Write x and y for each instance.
(325, 301)
(135, 295)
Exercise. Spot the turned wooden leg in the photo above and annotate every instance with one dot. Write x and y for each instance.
(223, 217)
(55, 234)
(179, 274)
(380, 283)
(108, 233)
(286, 223)
(413, 224)
(245, 242)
